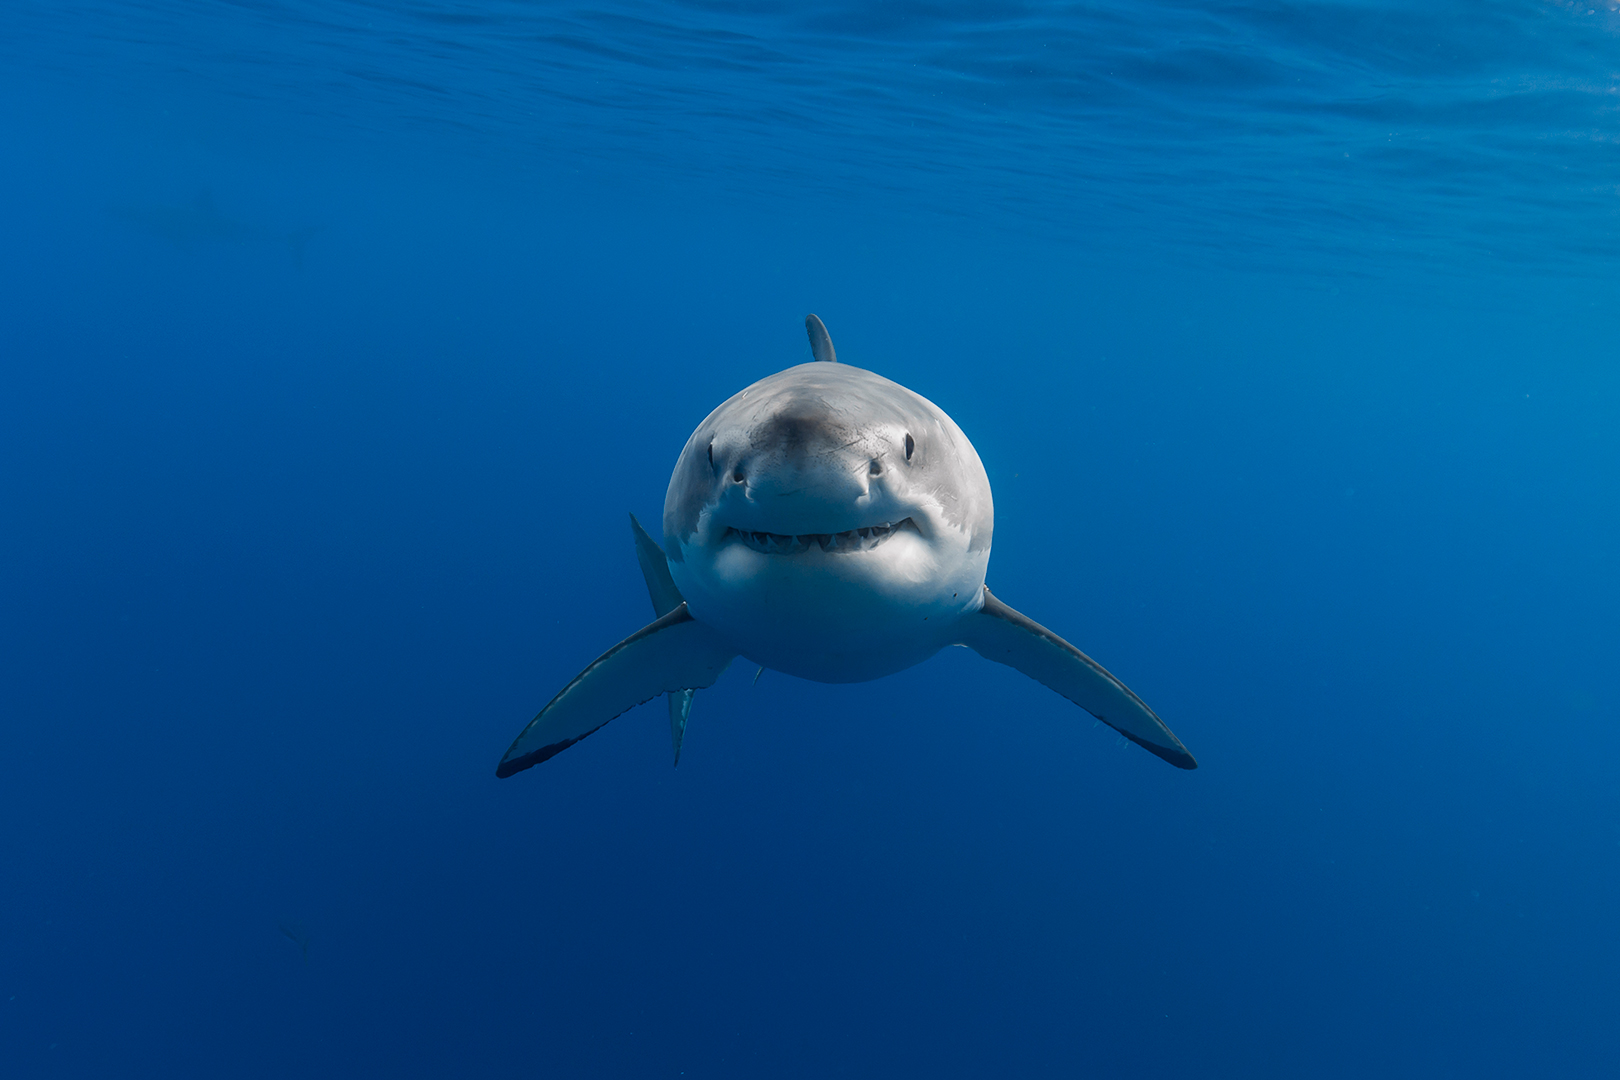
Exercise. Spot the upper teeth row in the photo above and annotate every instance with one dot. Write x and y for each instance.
(849, 540)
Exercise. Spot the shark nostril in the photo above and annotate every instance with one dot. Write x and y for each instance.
(875, 469)
(737, 476)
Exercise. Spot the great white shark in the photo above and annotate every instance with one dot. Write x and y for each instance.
(828, 523)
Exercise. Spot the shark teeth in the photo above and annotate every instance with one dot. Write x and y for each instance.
(850, 540)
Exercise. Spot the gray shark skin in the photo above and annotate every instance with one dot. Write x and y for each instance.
(831, 524)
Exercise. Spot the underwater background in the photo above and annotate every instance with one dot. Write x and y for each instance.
(337, 340)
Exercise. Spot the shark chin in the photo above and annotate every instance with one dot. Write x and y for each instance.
(832, 607)
(831, 524)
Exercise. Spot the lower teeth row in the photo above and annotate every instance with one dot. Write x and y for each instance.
(852, 540)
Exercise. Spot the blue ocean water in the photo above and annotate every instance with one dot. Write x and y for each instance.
(337, 340)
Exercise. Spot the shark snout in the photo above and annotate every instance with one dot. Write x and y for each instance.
(832, 483)
(829, 486)
(828, 497)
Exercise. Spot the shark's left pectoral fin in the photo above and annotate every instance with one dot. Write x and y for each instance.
(1001, 634)
(672, 654)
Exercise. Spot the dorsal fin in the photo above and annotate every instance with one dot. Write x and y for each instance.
(820, 341)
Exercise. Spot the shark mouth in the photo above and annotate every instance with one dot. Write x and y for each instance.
(836, 543)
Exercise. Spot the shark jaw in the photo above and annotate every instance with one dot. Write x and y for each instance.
(833, 607)
(838, 543)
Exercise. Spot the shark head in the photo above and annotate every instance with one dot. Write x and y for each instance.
(830, 523)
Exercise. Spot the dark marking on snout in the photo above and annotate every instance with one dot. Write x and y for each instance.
(797, 432)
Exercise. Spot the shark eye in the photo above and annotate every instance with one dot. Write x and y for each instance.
(711, 453)
(910, 446)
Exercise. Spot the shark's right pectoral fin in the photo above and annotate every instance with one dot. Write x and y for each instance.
(672, 654)
(1009, 637)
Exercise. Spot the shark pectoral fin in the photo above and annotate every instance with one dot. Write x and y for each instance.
(680, 707)
(655, 568)
(674, 653)
(1001, 634)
